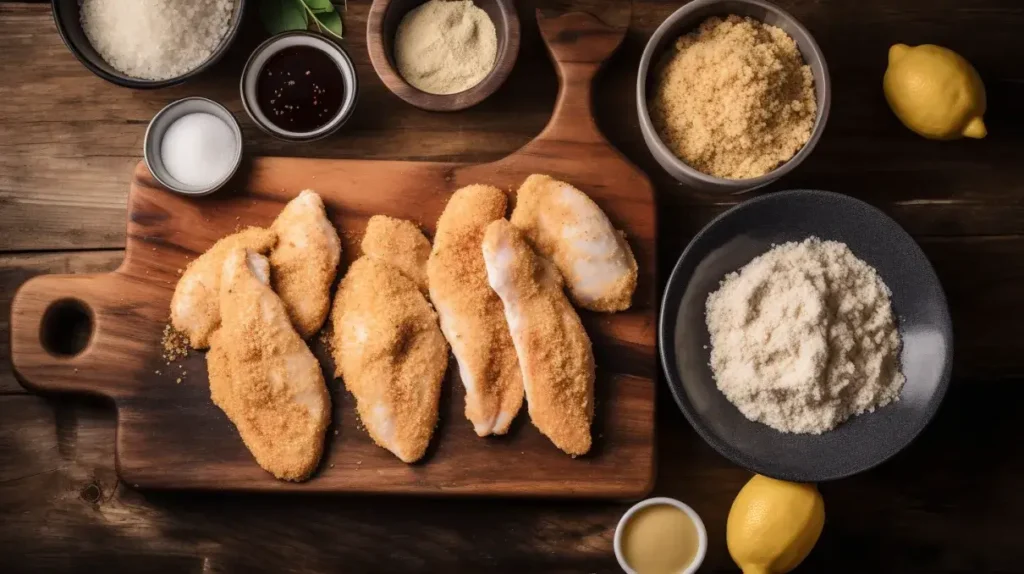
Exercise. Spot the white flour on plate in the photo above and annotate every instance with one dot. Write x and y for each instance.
(803, 338)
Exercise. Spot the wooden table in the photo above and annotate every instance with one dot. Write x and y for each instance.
(951, 502)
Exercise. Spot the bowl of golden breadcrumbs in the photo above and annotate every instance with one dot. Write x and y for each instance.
(731, 94)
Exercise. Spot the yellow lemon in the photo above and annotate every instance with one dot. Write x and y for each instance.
(773, 525)
(935, 92)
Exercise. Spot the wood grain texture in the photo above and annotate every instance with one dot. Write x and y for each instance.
(16, 269)
(171, 436)
(950, 503)
(381, 25)
(69, 141)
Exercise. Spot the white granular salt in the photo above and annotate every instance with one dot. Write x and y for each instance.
(803, 338)
(199, 149)
(156, 39)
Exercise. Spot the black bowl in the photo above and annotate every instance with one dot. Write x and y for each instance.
(67, 17)
(750, 229)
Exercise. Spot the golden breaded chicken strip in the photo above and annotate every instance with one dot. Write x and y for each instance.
(471, 314)
(195, 306)
(400, 243)
(553, 348)
(567, 227)
(391, 355)
(262, 374)
(305, 261)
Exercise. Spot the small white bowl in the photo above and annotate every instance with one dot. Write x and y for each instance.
(702, 533)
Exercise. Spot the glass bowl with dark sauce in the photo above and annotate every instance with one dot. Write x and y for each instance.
(299, 86)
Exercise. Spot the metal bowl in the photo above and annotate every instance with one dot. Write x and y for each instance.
(158, 127)
(67, 17)
(263, 53)
(919, 305)
(685, 20)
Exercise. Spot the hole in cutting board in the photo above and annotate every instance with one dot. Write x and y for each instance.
(66, 327)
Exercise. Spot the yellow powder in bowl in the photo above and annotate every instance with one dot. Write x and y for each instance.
(734, 98)
(445, 46)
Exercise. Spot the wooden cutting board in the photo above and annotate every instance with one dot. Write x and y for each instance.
(169, 433)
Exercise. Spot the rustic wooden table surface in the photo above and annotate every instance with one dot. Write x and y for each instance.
(948, 503)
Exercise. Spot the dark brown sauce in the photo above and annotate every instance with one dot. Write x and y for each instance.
(300, 89)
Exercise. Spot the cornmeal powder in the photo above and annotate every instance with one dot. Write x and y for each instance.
(445, 46)
(734, 99)
(803, 338)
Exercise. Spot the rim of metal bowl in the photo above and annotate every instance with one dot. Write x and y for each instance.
(236, 129)
(142, 84)
(273, 130)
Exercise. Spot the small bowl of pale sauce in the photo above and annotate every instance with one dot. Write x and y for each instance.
(660, 536)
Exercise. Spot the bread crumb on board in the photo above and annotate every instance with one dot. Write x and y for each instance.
(175, 344)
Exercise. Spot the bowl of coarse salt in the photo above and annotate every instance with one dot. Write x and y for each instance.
(145, 44)
(805, 336)
(193, 146)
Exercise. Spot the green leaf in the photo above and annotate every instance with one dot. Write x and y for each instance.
(330, 22)
(283, 15)
(319, 6)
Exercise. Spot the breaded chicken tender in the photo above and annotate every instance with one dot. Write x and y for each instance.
(472, 318)
(553, 348)
(390, 354)
(262, 374)
(400, 243)
(565, 226)
(305, 261)
(195, 306)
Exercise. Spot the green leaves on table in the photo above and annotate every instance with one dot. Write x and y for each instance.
(331, 22)
(283, 15)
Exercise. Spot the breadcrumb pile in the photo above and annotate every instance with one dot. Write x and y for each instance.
(734, 99)
(175, 344)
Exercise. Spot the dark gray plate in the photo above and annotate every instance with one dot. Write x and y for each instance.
(748, 230)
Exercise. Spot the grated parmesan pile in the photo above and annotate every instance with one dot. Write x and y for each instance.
(156, 39)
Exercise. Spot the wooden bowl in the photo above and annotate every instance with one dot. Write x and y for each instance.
(381, 25)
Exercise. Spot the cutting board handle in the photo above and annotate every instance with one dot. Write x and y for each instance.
(67, 333)
(579, 44)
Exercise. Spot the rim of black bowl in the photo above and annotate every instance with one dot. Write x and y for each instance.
(142, 84)
(666, 336)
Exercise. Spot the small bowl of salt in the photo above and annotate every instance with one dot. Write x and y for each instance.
(193, 146)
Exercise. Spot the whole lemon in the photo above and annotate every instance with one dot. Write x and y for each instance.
(935, 92)
(774, 524)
